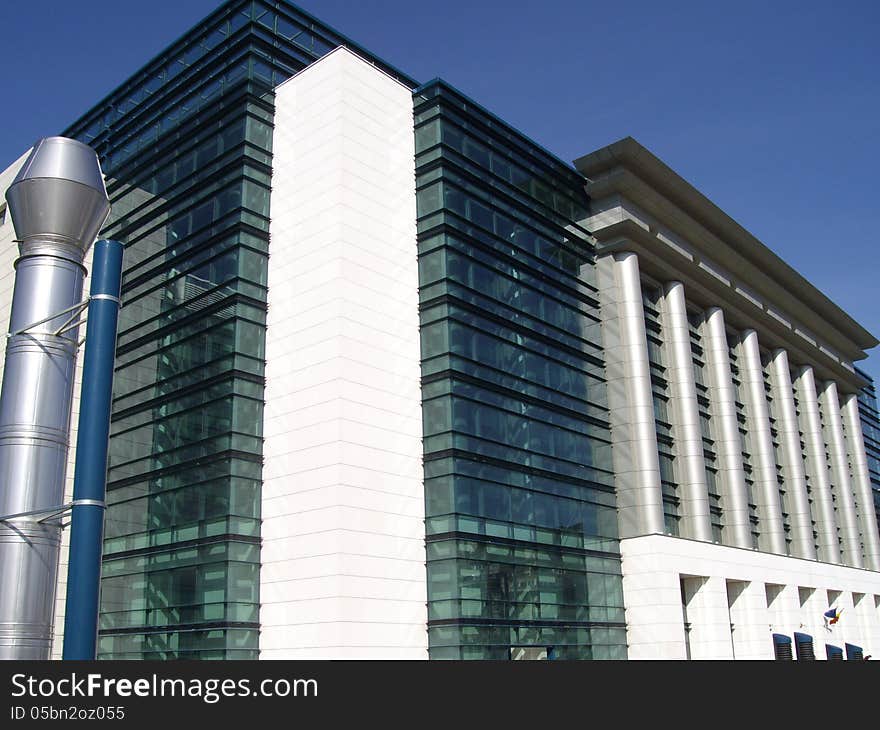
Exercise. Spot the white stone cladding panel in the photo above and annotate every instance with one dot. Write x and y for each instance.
(709, 617)
(811, 620)
(783, 610)
(381, 502)
(653, 566)
(343, 557)
(749, 638)
(846, 631)
(867, 609)
(319, 566)
(324, 540)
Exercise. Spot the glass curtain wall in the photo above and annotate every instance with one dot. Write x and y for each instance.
(522, 549)
(870, 418)
(186, 146)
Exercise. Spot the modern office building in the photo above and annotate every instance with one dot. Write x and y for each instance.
(745, 501)
(393, 381)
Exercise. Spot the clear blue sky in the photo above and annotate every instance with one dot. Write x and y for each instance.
(770, 108)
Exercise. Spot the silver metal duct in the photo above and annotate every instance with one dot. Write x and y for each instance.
(58, 203)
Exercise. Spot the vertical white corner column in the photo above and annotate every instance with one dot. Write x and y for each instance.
(636, 463)
(783, 609)
(845, 631)
(747, 602)
(722, 397)
(846, 509)
(867, 616)
(813, 603)
(709, 617)
(343, 556)
(652, 594)
(800, 515)
(817, 466)
(766, 494)
(855, 447)
(685, 415)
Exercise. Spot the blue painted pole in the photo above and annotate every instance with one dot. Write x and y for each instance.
(90, 473)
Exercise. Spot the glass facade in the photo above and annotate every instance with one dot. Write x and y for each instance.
(523, 557)
(522, 549)
(186, 146)
(870, 418)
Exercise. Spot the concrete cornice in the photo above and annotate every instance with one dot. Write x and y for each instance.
(628, 169)
(705, 288)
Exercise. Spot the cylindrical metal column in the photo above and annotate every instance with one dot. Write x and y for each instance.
(90, 475)
(737, 528)
(843, 491)
(685, 414)
(800, 516)
(855, 447)
(643, 480)
(763, 456)
(817, 466)
(57, 203)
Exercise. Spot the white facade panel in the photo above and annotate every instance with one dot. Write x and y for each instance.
(748, 638)
(343, 558)
(708, 617)
(735, 599)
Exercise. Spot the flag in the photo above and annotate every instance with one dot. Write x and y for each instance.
(833, 615)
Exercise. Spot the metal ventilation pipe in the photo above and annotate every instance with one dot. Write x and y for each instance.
(58, 203)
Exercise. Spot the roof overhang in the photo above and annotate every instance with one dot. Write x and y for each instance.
(639, 203)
